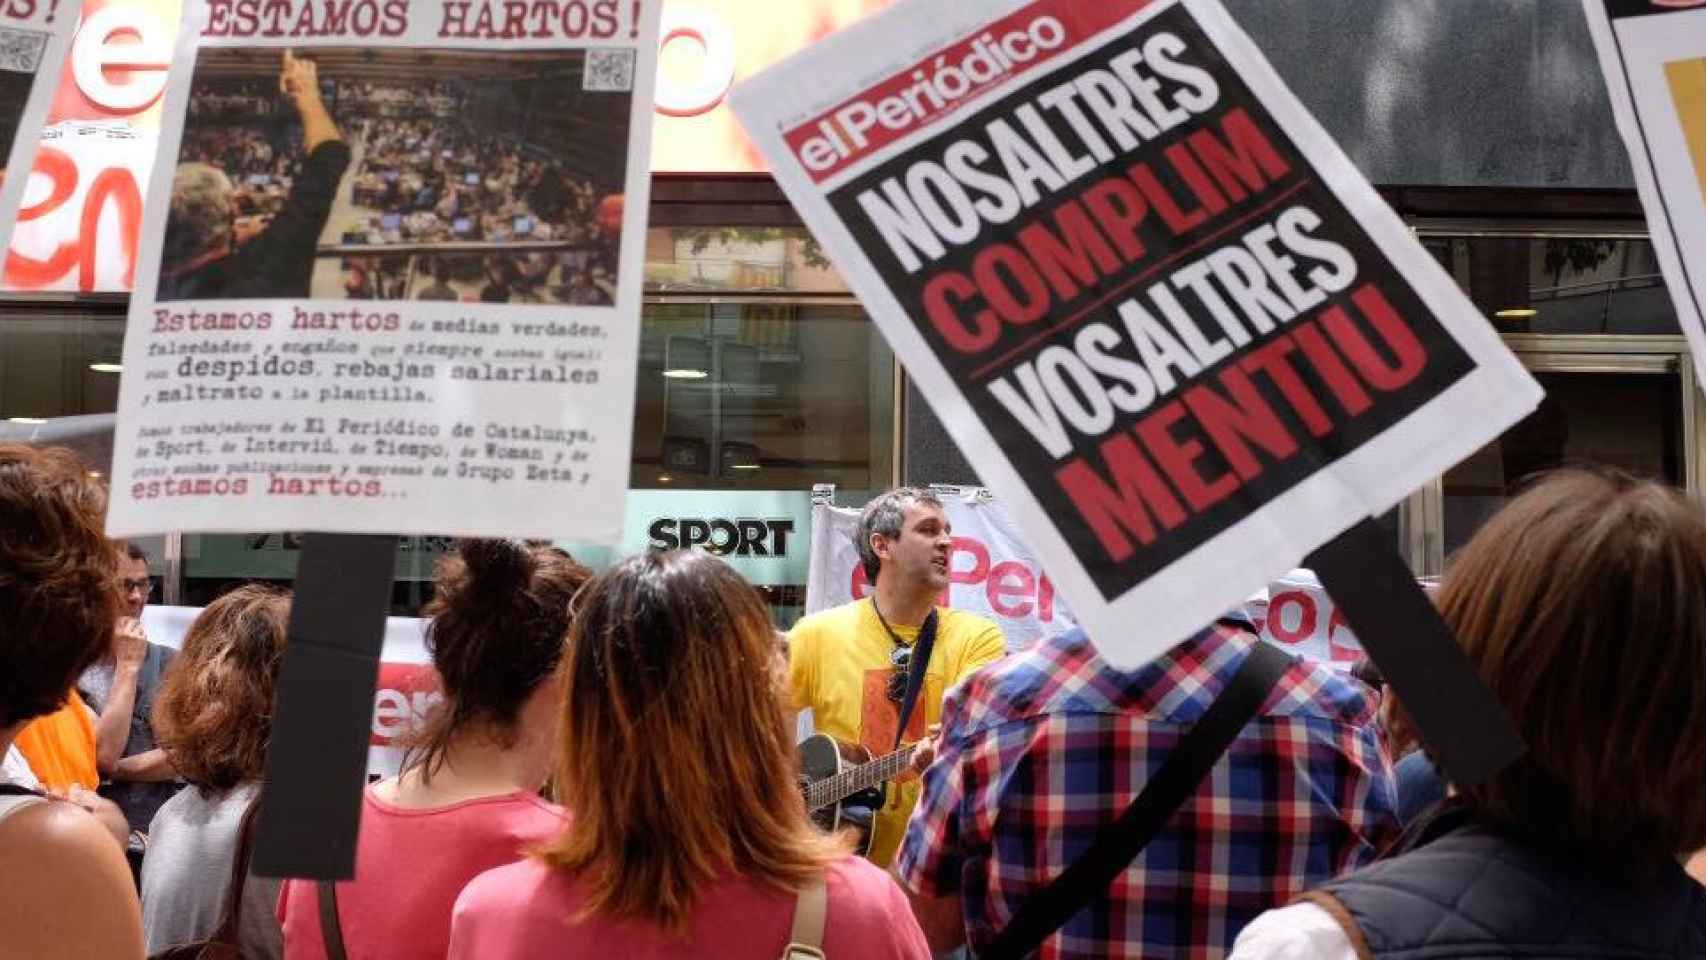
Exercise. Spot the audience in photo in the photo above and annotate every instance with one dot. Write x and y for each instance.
(425, 174)
(66, 892)
(213, 718)
(675, 757)
(468, 797)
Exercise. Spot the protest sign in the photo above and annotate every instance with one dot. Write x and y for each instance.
(390, 281)
(34, 35)
(1168, 321)
(391, 276)
(1653, 54)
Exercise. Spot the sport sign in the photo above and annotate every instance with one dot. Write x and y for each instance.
(1170, 324)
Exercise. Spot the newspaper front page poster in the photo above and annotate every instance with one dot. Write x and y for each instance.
(1168, 322)
(1653, 54)
(390, 273)
(34, 37)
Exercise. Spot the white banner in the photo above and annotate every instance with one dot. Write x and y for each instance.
(991, 572)
(1161, 312)
(34, 38)
(408, 685)
(391, 276)
(1653, 54)
(994, 574)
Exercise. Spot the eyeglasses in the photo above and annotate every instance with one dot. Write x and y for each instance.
(901, 660)
(139, 585)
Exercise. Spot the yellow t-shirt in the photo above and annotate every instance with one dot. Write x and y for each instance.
(839, 667)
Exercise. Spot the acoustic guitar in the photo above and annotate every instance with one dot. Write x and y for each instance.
(832, 776)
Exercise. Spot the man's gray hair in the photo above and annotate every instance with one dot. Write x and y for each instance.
(200, 217)
(887, 515)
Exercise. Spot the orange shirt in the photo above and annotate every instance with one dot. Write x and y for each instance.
(60, 747)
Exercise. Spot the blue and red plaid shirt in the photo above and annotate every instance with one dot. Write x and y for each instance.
(1041, 749)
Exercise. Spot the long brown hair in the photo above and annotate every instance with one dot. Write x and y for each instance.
(677, 760)
(1583, 606)
(499, 616)
(58, 578)
(213, 715)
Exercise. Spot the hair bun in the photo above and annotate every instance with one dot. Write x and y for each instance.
(497, 564)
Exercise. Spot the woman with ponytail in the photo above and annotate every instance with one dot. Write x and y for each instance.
(688, 836)
(468, 797)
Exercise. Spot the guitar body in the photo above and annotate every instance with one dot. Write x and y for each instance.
(822, 758)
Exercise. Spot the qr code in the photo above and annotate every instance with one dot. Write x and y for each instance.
(21, 50)
(609, 70)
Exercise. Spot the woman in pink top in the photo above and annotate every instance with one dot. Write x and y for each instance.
(468, 799)
(688, 836)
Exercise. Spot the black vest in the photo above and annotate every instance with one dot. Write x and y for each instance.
(1464, 892)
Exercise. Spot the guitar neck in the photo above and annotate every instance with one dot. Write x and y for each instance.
(854, 779)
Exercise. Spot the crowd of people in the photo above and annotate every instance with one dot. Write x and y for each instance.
(612, 767)
(417, 170)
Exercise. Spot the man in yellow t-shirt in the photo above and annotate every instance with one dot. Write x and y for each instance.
(848, 664)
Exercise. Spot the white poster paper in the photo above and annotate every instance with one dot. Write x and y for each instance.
(1164, 316)
(34, 36)
(1653, 54)
(390, 274)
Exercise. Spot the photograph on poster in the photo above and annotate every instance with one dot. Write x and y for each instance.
(400, 174)
(20, 54)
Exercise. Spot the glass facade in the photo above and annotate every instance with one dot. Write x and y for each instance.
(761, 377)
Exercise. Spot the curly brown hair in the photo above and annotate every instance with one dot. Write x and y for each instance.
(213, 714)
(58, 578)
(499, 618)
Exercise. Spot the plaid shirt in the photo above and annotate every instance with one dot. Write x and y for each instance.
(1041, 749)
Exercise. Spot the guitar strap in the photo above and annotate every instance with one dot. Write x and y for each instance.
(919, 662)
(1119, 843)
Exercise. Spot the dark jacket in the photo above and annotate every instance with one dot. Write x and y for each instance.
(1464, 891)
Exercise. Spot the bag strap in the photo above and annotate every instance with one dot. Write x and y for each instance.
(810, 911)
(331, 931)
(916, 667)
(226, 932)
(1118, 843)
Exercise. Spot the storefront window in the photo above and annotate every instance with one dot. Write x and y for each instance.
(1630, 421)
(1574, 285)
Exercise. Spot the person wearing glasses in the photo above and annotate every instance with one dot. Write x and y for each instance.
(849, 664)
(120, 688)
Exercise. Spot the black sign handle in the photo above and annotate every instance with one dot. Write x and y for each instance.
(317, 760)
(1468, 731)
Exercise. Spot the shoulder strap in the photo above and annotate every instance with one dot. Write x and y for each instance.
(810, 911)
(226, 932)
(331, 931)
(1120, 842)
(916, 666)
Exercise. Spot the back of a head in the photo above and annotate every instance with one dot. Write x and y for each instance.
(1583, 606)
(213, 713)
(674, 689)
(499, 618)
(58, 578)
(199, 217)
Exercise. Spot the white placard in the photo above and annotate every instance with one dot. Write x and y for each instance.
(34, 36)
(460, 356)
(1161, 312)
(1653, 54)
